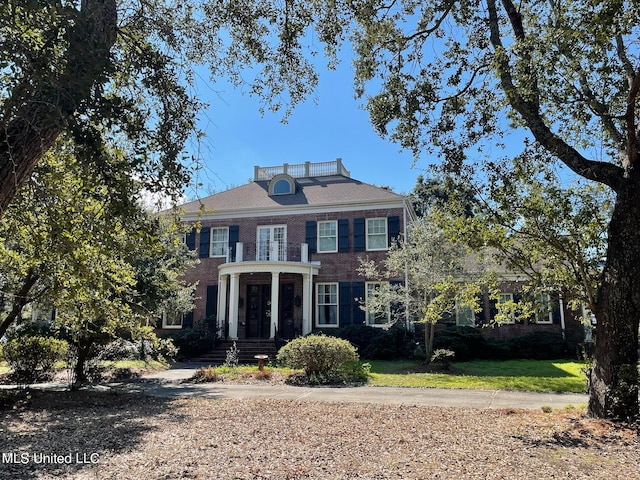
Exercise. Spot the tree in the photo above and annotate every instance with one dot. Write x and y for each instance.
(110, 273)
(122, 71)
(456, 78)
(555, 234)
(568, 73)
(441, 279)
(441, 192)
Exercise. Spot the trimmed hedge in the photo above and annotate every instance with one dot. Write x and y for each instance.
(317, 354)
(377, 343)
(469, 344)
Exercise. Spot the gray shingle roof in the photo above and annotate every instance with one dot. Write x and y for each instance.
(310, 191)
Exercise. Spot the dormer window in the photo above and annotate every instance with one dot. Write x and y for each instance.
(282, 184)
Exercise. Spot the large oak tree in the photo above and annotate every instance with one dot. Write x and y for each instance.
(123, 72)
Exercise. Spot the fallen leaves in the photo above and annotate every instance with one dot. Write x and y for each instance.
(147, 438)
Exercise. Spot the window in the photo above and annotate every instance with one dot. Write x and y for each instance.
(281, 187)
(508, 312)
(375, 318)
(465, 316)
(272, 244)
(172, 320)
(282, 184)
(327, 305)
(219, 242)
(544, 312)
(328, 236)
(377, 234)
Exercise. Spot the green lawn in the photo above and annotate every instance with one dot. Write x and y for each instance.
(524, 375)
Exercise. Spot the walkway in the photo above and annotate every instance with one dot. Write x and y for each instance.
(169, 383)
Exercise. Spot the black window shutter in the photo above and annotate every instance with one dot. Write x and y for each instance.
(555, 309)
(344, 294)
(205, 235)
(311, 236)
(493, 309)
(188, 320)
(212, 301)
(234, 237)
(357, 296)
(343, 235)
(393, 228)
(359, 243)
(191, 239)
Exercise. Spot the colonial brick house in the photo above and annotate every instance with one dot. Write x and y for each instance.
(279, 255)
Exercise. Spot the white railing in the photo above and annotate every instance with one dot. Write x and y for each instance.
(271, 252)
(302, 170)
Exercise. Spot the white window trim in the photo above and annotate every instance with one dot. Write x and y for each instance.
(171, 327)
(337, 304)
(226, 248)
(368, 314)
(335, 222)
(282, 177)
(283, 246)
(386, 234)
(542, 319)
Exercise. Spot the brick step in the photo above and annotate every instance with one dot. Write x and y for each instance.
(247, 351)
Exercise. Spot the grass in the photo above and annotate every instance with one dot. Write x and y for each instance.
(522, 375)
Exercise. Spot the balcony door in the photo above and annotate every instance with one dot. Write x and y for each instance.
(272, 243)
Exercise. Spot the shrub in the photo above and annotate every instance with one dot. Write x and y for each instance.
(468, 344)
(348, 374)
(206, 375)
(232, 359)
(377, 343)
(317, 354)
(32, 358)
(194, 341)
(443, 357)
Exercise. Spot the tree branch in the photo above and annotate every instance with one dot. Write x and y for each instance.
(44, 107)
(529, 110)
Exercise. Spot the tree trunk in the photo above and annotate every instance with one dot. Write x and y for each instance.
(613, 387)
(429, 334)
(20, 300)
(38, 109)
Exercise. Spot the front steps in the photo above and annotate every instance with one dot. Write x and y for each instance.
(247, 350)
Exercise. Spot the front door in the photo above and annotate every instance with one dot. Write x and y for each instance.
(258, 311)
(288, 328)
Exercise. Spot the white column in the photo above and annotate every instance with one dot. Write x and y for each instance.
(304, 253)
(233, 307)
(222, 302)
(275, 299)
(306, 303)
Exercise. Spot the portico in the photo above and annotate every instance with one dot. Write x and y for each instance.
(249, 296)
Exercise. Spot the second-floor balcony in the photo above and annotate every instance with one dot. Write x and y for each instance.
(268, 252)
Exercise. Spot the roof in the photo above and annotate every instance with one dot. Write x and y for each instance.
(311, 192)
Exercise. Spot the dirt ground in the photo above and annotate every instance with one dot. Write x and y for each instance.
(117, 435)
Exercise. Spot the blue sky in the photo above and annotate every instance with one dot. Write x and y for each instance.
(238, 137)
